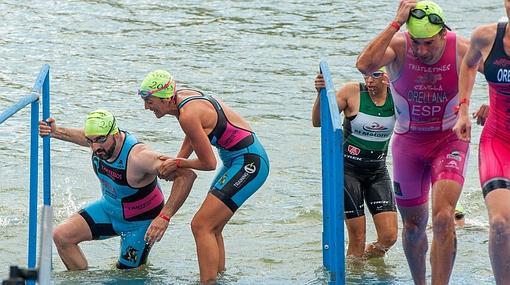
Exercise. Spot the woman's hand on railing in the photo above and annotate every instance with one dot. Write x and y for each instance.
(47, 127)
(319, 82)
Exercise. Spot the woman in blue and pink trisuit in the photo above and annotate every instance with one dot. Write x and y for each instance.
(207, 122)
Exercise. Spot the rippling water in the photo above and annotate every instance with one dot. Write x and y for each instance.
(260, 57)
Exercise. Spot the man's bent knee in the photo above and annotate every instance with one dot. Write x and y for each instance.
(61, 237)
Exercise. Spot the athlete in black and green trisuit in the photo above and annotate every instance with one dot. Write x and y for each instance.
(368, 125)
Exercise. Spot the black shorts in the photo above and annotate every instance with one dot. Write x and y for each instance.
(370, 185)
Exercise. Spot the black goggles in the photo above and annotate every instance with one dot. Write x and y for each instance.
(433, 18)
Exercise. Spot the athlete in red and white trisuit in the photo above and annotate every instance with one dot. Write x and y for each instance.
(492, 44)
(423, 67)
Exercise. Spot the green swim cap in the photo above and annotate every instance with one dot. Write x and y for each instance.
(155, 80)
(423, 28)
(100, 123)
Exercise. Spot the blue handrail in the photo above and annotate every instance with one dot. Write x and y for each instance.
(333, 256)
(41, 87)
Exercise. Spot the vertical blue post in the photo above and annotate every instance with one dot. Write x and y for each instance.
(34, 161)
(332, 182)
(46, 140)
(42, 85)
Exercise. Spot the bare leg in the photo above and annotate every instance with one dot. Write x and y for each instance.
(497, 202)
(445, 194)
(221, 249)
(414, 239)
(356, 229)
(207, 224)
(67, 236)
(386, 226)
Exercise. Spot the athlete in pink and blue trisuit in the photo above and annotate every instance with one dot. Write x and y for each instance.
(207, 122)
(132, 204)
(488, 44)
(423, 64)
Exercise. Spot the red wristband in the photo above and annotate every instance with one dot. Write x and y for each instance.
(178, 162)
(164, 217)
(463, 101)
(395, 25)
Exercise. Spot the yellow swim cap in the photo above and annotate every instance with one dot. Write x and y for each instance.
(158, 83)
(426, 20)
(100, 123)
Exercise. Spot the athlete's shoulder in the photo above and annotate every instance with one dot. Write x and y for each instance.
(142, 157)
(487, 28)
(189, 92)
(349, 89)
(485, 34)
(351, 85)
(141, 152)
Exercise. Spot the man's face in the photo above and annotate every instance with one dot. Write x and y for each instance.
(428, 50)
(102, 146)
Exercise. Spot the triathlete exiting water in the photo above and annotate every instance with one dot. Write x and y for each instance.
(132, 205)
(368, 125)
(490, 43)
(206, 121)
(242, 155)
(423, 68)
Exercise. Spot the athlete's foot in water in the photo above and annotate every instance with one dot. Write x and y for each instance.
(355, 265)
(375, 249)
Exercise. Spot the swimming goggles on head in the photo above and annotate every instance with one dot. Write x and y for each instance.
(146, 93)
(432, 17)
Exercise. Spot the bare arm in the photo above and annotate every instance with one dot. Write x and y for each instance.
(342, 99)
(192, 127)
(468, 69)
(145, 162)
(381, 50)
(186, 148)
(191, 124)
(73, 135)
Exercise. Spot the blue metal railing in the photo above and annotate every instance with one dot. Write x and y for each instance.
(41, 87)
(333, 256)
